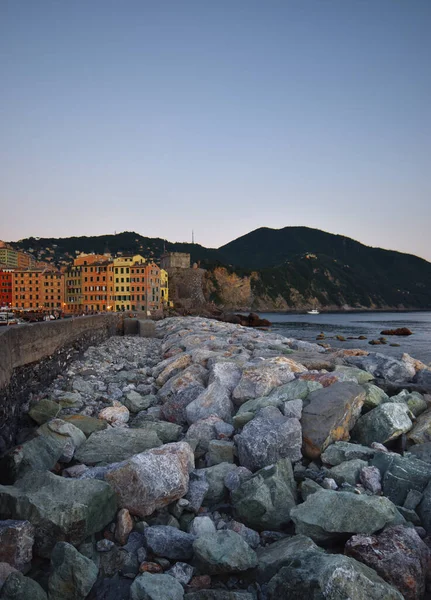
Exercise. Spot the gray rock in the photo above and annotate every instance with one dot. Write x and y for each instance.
(223, 552)
(59, 508)
(249, 536)
(156, 587)
(292, 409)
(204, 431)
(298, 389)
(179, 391)
(169, 542)
(114, 445)
(267, 438)
(265, 500)
(260, 378)
(340, 452)
(87, 425)
(371, 479)
(218, 595)
(166, 432)
(16, 543)
(234, 479)
(112, 588)
(385, 367)
(421, 451)
(424, 509)
(329, 515)
(412, 500)
(152, 479)
(308, 487)
(66, 435)
(72, 574)
(421, 430)
(214, 400)
(18, 587)
(280, 554)
(201, 526)
(182, 572)
(314, 574)
(224, 430)
(382, 424)
(329, 415)
(38, 454)
(81, 385)
(198, 488)
(104, 545)
(413, 400)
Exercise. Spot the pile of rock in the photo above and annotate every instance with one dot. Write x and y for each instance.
(216, 462)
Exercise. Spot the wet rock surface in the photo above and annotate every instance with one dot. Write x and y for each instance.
(217, 462)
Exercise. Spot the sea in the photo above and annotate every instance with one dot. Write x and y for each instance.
(352, 325)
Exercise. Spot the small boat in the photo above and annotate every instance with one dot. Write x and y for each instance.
(313, 312)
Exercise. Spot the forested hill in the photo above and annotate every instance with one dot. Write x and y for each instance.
(289, 267)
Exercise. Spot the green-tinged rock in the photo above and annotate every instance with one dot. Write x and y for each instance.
(415, 401)
(382, 424)
(420, 433)
(329, 415)
(18, 587)
(424, 509)
(39, 454)
(72, 574)
(60, 509)
(135, 402)
(374, 396)
(265, 500)
(44, 410)
(167, 432)
(360, 375)
(400, 474)
(223, 552)
(294, 390)
(65, 435)
(337, 453)
(308, 487)
(70, 400)
(156, 587)
(87, 425)
(241, 419)
(347, 472)
(279, 554)
(320, 576)
(220, 451)
(329, 515)
(115, 445)
(215, 477)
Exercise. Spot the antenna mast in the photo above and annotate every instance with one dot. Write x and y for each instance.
(193, 237)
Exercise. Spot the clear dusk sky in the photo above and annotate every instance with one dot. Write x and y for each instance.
(220, 116)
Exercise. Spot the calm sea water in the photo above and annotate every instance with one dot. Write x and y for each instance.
(307, 327)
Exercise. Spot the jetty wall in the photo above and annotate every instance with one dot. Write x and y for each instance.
(31, 356)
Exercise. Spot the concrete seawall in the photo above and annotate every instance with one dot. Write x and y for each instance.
(31, 356)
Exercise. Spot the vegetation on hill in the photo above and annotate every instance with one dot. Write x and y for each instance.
(289, 267)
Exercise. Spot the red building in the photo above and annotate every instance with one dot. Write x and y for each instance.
(5, 287)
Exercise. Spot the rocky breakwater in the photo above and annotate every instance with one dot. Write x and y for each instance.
(215, 462)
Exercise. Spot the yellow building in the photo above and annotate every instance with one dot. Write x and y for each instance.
(122, 292)
(164, 288)
(9, 257)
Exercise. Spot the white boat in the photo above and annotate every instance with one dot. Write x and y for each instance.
(313, 312)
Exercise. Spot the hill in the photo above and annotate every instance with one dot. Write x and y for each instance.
(288, 268)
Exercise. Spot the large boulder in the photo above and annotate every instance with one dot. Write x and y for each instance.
(39, 454)
(420, 433)
(269, 437)
(114, 445)
(321, 576)
(87, 425)
(214, 400)
(171, 367)
(215, 476)
(340, 452)
(165, 431)
(44, 410)
(152, 479)
(327, 515)
(72, 574)
(383, 366)
(223, 552)
(374, 396)
(398, 555)
(178, 392)
(382, 424)
(328, 416)
(67, 436)
(266, 499)
(59, 509)
(261, 377)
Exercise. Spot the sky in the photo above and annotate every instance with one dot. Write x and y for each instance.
(168, 116)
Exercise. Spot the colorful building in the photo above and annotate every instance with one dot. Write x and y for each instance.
(122, 276)
(89, 259)
(96, 286)
(73, 296)
(5, 287)
(164, 288)
(8, 256)
(38, 289)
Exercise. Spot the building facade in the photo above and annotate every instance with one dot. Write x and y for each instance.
(5, 287)
(96, 285)
(36, 289)
(73, 296)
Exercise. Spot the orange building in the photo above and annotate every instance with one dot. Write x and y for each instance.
(25, 260)
(97, 286)
(89, 259)
(5, 287)
(144, 287)
(38, 289)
